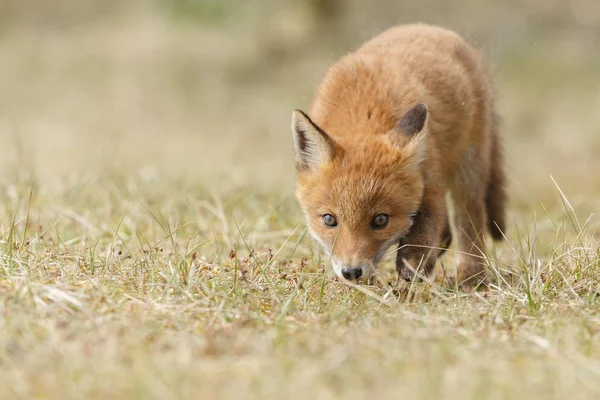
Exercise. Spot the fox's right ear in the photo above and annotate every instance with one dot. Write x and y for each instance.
(410, 134)
(313, 146)
(413, 121)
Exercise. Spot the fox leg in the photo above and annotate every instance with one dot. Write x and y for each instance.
(445, 238)
(469, 200)
(421, 246)
(496, 197)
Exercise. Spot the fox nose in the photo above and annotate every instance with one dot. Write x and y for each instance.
(352, 273)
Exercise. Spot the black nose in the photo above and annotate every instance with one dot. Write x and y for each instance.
(351, 273)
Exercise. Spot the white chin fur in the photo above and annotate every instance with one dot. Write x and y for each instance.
(337, 268)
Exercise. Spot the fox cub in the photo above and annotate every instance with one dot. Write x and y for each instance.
(394, 126)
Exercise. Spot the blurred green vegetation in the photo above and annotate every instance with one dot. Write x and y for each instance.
(216, 79)
(201, 12)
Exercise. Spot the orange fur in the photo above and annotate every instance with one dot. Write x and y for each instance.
(394, 126)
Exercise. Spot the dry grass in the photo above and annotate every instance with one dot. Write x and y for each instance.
(151, 247)
(155, 289)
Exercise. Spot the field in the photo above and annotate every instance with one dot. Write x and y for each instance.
(151, 245)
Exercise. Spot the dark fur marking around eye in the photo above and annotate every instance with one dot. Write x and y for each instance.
(380, 221)
(329, 221)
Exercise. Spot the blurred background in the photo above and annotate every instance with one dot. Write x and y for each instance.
(204, 89)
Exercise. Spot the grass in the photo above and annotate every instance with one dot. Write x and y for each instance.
(151, 245)
(145, 289)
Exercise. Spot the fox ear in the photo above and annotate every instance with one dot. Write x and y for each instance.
(410, 135)
(413, 121)
(313, 146)
(416, 151)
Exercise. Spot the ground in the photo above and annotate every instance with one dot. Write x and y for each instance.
(151, 245)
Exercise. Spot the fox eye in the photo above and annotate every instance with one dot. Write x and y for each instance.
(329, 221)
(380, 221)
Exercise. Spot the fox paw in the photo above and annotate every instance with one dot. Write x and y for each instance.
(469, 276)
(407, 268)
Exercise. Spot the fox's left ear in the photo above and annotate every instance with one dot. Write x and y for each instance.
(410, 134)
(313, 146)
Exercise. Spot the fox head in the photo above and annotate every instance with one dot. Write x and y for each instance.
(359, 198)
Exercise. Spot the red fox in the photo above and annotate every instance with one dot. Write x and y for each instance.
(394, 126)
